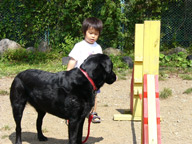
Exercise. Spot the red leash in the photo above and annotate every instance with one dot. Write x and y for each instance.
(91, 115)
(89, 123)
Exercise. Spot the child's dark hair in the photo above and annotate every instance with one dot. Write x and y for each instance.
(92, 22)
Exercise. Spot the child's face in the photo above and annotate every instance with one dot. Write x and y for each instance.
(91, 35)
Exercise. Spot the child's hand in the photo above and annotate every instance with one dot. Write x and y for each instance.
(116, 77)
(71, 64)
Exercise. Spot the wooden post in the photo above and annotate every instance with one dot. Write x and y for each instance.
(150, 106)
(138, 73)
(152, 120)
(137, 79)
(151, 47)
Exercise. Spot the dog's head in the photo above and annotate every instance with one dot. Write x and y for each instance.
(100, 68)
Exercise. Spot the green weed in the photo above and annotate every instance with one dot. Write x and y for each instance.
(106, 105)
(188, 91)
(3, 92)
(4, 136)
(167, 92)
(44, 130)
(6, 128)
(186, 77)
(163, 75)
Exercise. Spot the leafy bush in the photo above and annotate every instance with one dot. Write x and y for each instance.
(68, 43)
(120, 68)
(175, 60)
(118, 64)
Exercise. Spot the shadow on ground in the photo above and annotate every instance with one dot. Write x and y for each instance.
(31, 138)
(126, 111)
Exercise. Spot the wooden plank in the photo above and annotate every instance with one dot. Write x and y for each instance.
(119, 117)
(152, 120)
(144, 131)
(157, 109)
(137, 106)
(139, 42)
(138, 89)
(138, 72)
(151, 47)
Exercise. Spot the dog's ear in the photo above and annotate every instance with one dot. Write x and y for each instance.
(91, 62)
(97, 59)
(106, 63)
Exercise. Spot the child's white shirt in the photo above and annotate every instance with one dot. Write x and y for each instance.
(82, 50)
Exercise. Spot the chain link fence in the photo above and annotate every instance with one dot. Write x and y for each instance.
(14, 18)
(176, 24)
(176, 29)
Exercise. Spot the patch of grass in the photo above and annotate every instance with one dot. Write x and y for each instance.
(4, 136)
(106, 105)
(167, 92)
(174, 70)
(188, 91)
(6, 128)
(186, 77)
(11, 69)
(122, 75)
(3, 92)
(44, 130)
(163, 76)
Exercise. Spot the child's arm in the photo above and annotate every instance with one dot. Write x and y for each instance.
(71, 64)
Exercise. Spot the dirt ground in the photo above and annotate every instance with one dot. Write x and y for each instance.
(176, 114)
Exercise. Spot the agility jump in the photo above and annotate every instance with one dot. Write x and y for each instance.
(144, 95)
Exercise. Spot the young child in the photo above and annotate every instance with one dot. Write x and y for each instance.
(91, 29)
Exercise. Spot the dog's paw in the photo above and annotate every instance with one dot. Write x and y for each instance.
(42, 138)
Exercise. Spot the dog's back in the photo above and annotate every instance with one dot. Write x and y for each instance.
(39, 88)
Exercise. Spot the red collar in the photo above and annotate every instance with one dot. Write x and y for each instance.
(90, 80)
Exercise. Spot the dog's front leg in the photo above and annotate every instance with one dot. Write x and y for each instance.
(80, 131)
(73, 130)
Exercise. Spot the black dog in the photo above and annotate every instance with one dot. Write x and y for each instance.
(67, 94)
